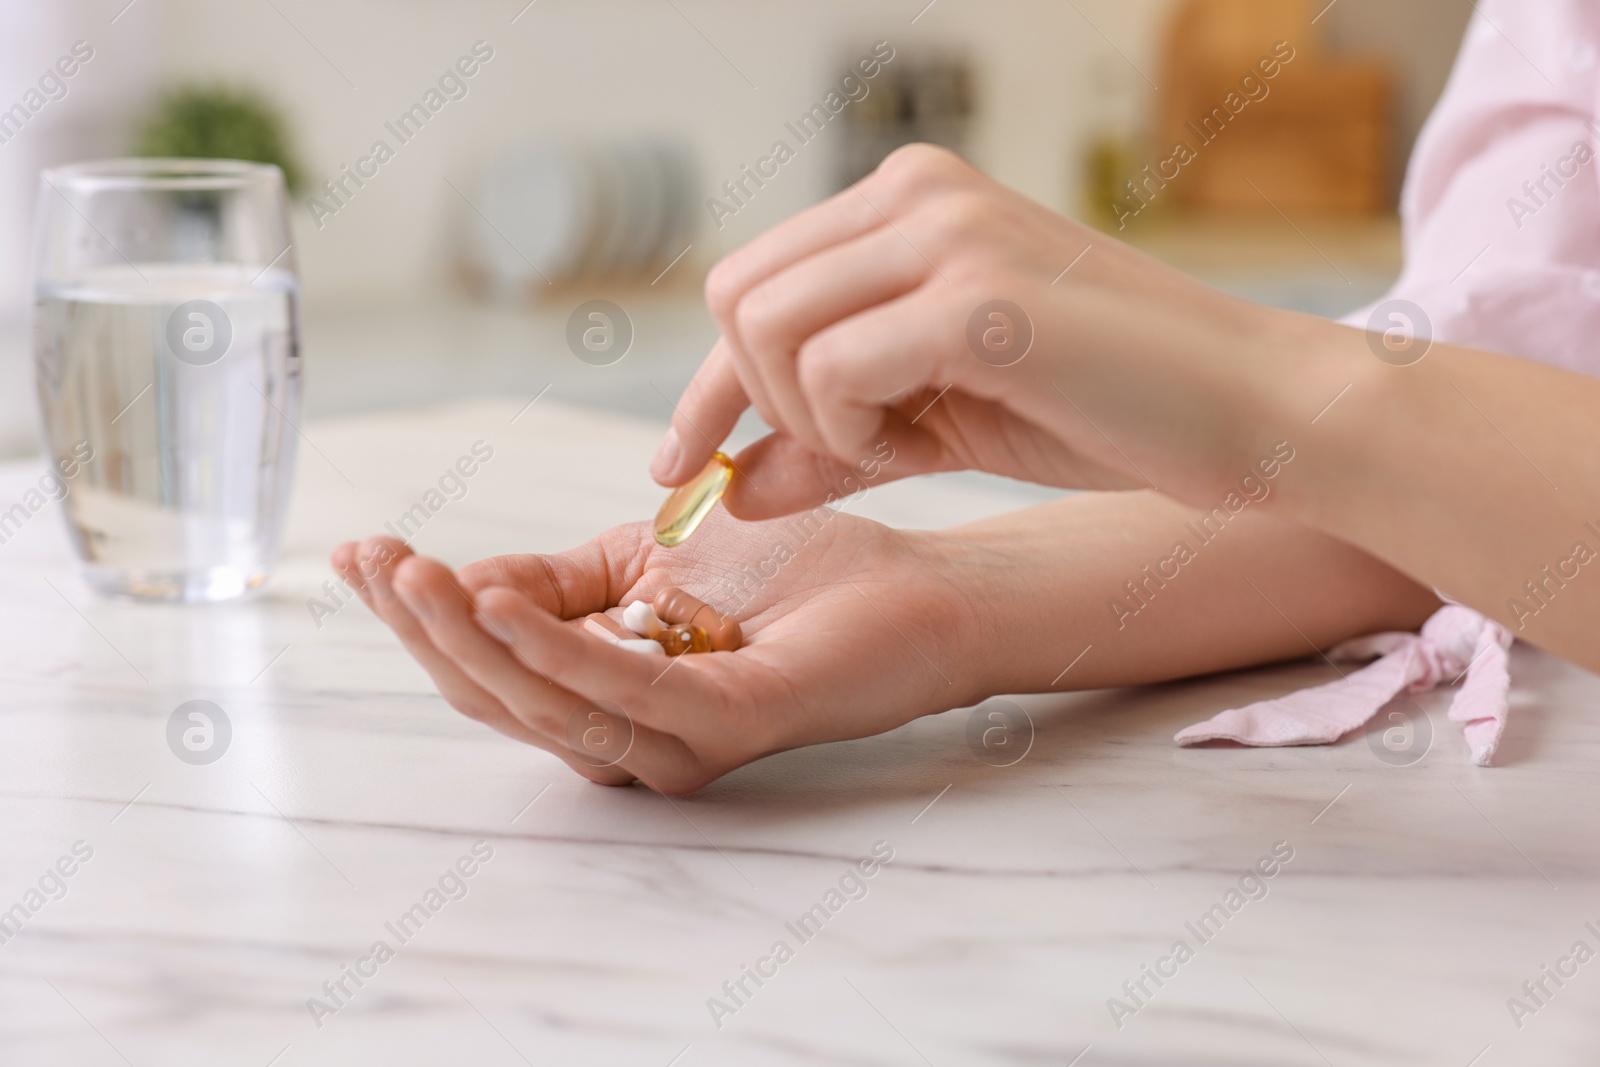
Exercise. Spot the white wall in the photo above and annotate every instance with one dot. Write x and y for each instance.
(585, 68)
(98, 100)
(608, 67)
(588, 69)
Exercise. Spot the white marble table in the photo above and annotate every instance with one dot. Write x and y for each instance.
(219, 898)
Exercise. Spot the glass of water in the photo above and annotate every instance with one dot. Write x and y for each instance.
(167, 351)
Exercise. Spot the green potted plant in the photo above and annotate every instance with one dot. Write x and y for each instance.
(218, 122)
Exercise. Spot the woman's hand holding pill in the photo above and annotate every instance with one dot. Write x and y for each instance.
(930, 314)
(869, 319)
(846, 639)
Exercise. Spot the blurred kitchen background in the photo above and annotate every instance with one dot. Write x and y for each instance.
(577, 160)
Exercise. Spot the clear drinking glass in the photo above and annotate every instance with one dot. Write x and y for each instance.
(167, 352)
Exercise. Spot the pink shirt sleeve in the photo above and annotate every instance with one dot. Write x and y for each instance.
(1501, 205)
(1501, 211)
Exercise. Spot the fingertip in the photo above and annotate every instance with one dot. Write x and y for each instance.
(680, 457)
(748, 503)
(504, 571)
(777, 476)
(497, 604)
(748, 506)
(780, 476)
(414, 568)
(417, 577)
(382, 550)
(668, 459)
(493, 609)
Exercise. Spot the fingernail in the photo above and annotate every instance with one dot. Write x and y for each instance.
(667, 454)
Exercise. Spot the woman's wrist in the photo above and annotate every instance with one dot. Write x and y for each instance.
(1016, 592)
(1352, 417)
(1127, 588)
(1230, 386)
(1286, 425)
(1458, 467)
(982, 616)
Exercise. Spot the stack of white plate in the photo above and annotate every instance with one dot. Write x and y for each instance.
(550, 210)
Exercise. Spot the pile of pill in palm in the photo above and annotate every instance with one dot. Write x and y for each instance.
(676, 623)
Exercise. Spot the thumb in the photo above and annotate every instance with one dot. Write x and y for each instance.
(779, 476)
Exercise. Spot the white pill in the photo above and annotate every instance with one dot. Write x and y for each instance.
(644, 645)
(640, 617)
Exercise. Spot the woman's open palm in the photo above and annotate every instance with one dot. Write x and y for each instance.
(848, 632)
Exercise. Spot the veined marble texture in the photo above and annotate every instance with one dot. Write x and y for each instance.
(1018, 901)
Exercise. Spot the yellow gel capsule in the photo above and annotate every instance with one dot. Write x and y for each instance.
(692, 501)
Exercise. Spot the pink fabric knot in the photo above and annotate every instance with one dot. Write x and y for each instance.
(1455, 642)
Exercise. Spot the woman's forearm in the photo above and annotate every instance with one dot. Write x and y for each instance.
(1130, 588)
(1475, 473)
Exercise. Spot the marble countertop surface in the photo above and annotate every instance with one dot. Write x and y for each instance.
(1018, 920)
